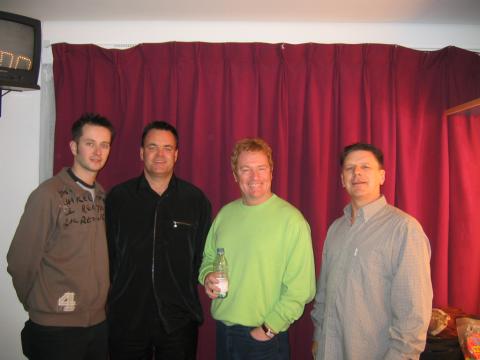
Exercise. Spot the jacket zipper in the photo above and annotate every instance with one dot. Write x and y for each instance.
(157, 300)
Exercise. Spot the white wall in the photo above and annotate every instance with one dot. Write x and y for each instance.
(19, 159)
(414, 36)
(20, 118)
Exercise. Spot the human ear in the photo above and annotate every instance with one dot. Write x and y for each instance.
(382, 176)
(73, 147)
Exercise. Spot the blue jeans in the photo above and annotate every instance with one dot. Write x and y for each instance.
(236, 343)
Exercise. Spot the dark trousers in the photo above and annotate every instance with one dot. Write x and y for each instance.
(236, 343)
(181, 344)
(61, 342)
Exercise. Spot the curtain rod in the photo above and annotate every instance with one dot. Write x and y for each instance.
(47, 56)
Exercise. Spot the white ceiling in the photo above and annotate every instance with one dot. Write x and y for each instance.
(465, 12)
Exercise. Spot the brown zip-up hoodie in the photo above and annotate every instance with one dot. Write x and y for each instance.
(58, 258)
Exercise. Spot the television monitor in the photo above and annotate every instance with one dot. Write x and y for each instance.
(20, 49)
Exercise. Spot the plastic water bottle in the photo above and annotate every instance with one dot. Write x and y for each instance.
(221, 267)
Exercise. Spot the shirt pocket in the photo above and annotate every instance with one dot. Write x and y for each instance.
(372, 264)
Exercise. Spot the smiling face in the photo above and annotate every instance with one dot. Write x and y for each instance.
(90, 151)
(159, 154)
(362, 177)
(254, 177)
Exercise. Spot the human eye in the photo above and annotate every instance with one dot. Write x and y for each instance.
(168, 148)
(105, 146)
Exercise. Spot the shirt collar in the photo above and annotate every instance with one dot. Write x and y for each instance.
(67, 178)
(78, 180)
(367, 211)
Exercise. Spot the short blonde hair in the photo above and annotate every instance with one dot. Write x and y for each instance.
(250, 144)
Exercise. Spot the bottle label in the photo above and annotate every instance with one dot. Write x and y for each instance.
(223, 285)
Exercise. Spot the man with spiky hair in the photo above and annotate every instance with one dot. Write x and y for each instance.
(58, 258)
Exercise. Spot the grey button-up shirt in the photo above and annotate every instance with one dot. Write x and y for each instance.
(374, 296)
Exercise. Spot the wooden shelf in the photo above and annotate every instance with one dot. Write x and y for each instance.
(471, 107)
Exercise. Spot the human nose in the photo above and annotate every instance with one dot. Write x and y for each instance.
(161, 151)
(357, 170)
(255, 174)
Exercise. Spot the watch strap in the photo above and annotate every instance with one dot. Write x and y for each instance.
(268, 331)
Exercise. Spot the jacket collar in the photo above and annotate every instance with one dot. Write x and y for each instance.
(143, 185)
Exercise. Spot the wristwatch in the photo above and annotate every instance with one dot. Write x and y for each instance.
(268, 331)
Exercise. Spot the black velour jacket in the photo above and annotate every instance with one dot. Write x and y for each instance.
(155, 248)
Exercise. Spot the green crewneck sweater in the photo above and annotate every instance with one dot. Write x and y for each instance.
(271, 268)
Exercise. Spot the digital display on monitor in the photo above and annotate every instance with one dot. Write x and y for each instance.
(16, 45)
(20, 51)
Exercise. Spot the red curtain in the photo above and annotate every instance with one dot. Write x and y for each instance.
(464, 233)
(308, 101)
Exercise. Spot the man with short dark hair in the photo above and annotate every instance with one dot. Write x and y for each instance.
(374, 296)
(58, 258)
(156, 227)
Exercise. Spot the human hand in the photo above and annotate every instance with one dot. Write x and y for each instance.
(258, 334)
(211, 288)
(314, 349)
